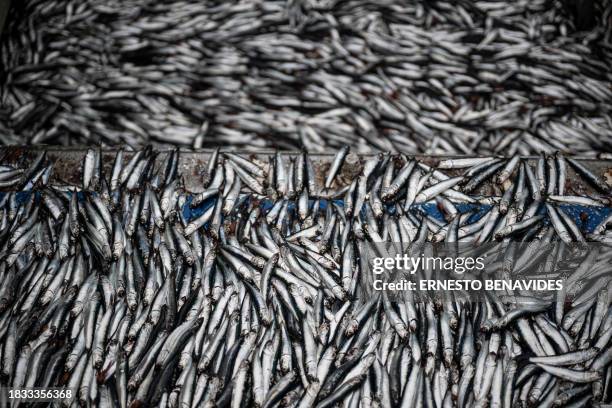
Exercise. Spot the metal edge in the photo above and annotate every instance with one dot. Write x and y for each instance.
(68, 162)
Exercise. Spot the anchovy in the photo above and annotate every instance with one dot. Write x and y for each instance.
(252, 296)
(415, 78)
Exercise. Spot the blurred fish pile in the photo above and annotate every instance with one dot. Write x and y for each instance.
(108, 291)
(435, 77)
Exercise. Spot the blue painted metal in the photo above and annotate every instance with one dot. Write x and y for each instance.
(586, 218)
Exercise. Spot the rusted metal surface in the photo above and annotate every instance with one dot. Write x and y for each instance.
(68, 166)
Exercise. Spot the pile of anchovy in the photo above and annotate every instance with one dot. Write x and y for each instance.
(435, 77)
(109, 290)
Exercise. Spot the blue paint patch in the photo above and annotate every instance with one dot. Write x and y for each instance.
(586, 218)
(477, 210)
(195, 212)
